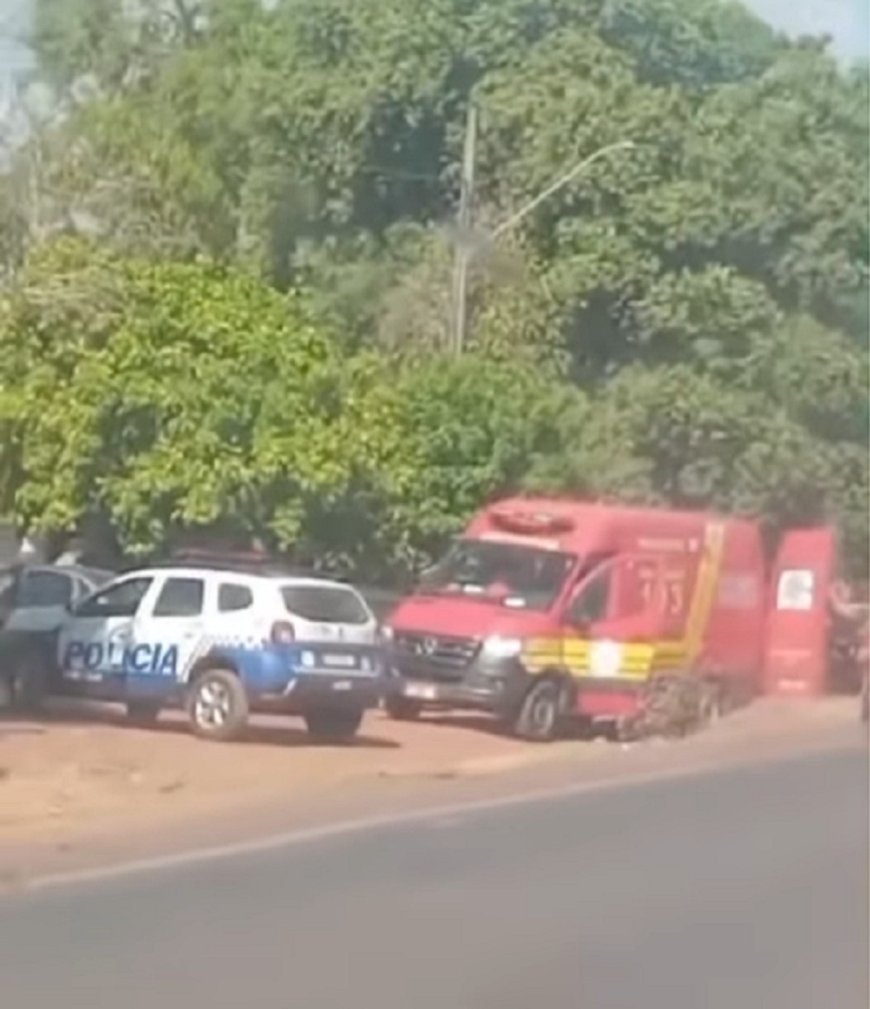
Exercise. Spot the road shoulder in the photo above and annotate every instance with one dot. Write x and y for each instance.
(430, 784)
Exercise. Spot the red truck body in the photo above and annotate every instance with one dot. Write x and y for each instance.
(602, 600)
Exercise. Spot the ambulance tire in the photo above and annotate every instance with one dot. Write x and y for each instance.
(217, 705)
(338, 725)
(143, 714)
(540, 715)
(403, 709)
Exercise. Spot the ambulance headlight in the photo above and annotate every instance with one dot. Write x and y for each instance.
(498, 647)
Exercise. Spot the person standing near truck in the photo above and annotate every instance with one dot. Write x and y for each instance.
(855, 617)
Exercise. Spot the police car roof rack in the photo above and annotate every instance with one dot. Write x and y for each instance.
(242, 561)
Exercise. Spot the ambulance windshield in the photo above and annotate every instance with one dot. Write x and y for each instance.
(506, 574)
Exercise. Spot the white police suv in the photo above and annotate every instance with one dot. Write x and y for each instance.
(222, 643)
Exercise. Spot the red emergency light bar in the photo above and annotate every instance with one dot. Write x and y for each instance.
(531, 523)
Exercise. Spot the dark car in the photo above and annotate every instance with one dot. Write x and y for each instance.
(35, 600)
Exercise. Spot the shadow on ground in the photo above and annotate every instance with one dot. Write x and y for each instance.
(276, 733)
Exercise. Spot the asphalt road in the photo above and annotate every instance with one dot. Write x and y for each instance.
(740, 889)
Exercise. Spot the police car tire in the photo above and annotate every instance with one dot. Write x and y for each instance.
(236, 716)
(403, 709)
(338, 725)
(30, 682)
(142, 713)
(7, 692)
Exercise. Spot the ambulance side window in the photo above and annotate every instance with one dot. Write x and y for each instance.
(119, 600)
(590, 605)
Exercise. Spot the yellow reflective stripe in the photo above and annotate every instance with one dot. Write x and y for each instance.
(706, 584)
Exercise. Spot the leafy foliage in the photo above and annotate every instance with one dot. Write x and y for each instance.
(249, 331)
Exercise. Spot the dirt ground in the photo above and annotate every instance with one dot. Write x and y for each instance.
(83, 770)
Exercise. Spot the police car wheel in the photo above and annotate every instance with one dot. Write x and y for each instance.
(217, 705)
(403, 709)
(30, 682)
(142, 712)
(333, 726)
(7, 692)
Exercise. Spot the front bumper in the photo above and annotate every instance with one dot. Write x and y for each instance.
(321, 690)
(489, 685)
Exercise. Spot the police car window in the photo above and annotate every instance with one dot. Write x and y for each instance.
(325, 604)
(180, 597)
(43, 588)
(234, 597)
(119, 600)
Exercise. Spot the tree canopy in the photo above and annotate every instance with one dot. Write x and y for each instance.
(227, 270)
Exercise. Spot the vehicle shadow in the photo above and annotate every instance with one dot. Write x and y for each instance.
(473, 722)
(574, 729)
(265, 730)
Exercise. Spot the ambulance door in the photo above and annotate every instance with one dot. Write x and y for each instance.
(622, 598)
(618, 604)
(796, 645)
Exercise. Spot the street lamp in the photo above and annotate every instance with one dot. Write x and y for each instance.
(465, 255)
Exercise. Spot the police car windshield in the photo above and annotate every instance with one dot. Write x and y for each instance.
(324, 604)
(508, 574)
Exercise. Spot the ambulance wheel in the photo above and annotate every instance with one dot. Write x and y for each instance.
(217, 705)
(541, 712)
(403, 709)
(143, 713)
(335, 725)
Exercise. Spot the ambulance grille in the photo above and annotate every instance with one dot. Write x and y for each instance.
(437, 650)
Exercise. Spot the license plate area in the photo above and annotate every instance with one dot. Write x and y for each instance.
(421, 691)
(336, 661)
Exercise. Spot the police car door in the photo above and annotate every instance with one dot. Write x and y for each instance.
(169, 634)
(95, 642)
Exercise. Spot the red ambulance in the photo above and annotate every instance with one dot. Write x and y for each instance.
(546, 609)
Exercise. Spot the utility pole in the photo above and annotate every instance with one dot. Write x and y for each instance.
(463, 250)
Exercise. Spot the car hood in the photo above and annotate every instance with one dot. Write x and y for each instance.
(462, 617)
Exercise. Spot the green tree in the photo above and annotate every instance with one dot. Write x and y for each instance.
(165, 396)
(685, 322)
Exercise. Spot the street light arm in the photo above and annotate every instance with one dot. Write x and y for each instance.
(557, 185)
